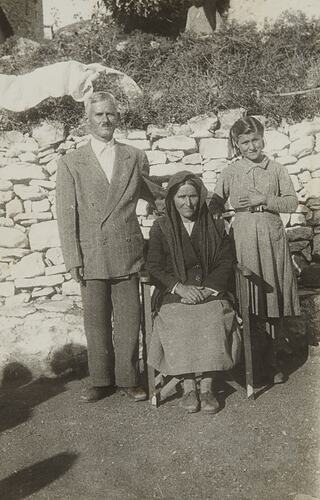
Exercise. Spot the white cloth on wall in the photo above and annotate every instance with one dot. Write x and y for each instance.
(21, 92)
(105, 153)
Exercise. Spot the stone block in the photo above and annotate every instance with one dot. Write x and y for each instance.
(13, 136)
(305, 128)
(5, 185)
(4, 270)
(41, 281)
(297, 246)
(28, 157)
(30, 266)
(309, 163)
(213, 148)
(275, 141)
(48, 132)
(49, 185)
(229, 117)
(304, 177)
(306, 252)
(32, 193)
(285, 219)
(6, 222)
(173, 156)
(13, 208)
(29, 145)
(142, 144)
(54, 256)
(216, 165)
(314, 217)
(178, 142)
(5, 196)
(71, 288)
(60, 269)
(7, 289)
(299, 233)
(10, 254)
(302, 147)
(316, 246)
(298, 220)
(48, 159)
(13, 238)
(155, 133)
(135, 135)
(209, 176)
(299, 263)
(44, 235)
(315, 174)
(43, 292)
(312, 188)
(21, 172)
(296, 183)
(17, 300)
(142, 208)
(40, 206)
(193, 159)
(204, 123)
(51, 167)
(156, 157)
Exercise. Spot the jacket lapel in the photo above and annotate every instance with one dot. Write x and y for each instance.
(121, 174)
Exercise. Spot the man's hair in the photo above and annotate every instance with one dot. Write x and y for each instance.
(100, 97)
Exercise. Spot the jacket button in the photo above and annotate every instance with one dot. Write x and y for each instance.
(198, 278)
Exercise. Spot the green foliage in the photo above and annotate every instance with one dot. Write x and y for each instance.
(183, 77)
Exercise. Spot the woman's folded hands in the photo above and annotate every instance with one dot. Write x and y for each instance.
(191, 294)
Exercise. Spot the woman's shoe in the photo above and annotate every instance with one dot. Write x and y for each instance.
(209, 403)
(190, 402)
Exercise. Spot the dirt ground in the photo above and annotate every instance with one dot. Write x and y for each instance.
(54, 447)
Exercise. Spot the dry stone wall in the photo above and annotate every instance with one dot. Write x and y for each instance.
(39, 313)
(31, 262)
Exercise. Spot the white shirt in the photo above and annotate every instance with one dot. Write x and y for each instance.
(105, 153)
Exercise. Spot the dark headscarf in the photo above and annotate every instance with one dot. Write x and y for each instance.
(210, 232)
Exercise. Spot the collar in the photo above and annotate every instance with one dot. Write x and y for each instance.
(250, 165)
(98, 146)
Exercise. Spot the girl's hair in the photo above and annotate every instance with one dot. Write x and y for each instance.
(246, 125)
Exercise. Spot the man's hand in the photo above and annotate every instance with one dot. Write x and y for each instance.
(77, 273)
(191, 294)
(253, 199)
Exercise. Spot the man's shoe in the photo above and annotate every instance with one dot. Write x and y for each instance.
(209, 404)
(94, 394)
(190, 402)
(136, 393)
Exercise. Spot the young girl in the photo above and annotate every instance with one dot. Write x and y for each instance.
(259, 189)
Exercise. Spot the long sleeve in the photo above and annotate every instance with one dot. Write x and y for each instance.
(150, 191)
(157, 263)
(67, 216)
(220, 275)
(287, 200)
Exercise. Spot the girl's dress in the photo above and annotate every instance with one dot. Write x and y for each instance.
(260, 239)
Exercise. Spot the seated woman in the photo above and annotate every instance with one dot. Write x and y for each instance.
(190, 260)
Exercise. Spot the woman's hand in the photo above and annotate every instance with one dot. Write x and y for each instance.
(193, 294)
(189, 294)
(253, 199)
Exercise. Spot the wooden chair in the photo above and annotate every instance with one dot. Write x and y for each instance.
(246, 291)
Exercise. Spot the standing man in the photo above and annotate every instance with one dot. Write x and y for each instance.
(98, 187)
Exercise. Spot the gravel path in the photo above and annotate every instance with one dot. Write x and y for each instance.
(53, 447)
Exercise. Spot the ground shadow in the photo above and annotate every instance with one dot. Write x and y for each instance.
(19, 393)
(23, 483)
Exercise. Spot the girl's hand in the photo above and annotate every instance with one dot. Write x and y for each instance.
(253, 199)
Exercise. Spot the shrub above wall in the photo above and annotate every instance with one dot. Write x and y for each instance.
(184, 77)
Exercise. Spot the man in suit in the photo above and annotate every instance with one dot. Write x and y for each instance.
(98, 187)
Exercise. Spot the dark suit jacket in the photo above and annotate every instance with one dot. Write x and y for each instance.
(97, 222)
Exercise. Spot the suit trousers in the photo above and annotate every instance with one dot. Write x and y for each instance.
(112, 359)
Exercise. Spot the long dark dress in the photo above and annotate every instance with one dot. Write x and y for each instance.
(191, 338)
